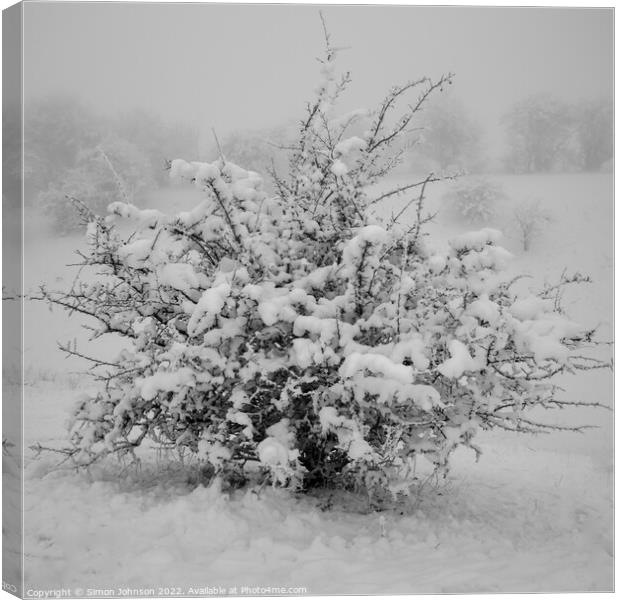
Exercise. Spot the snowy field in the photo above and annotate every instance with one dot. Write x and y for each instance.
(534, 514)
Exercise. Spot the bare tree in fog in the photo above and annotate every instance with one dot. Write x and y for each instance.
(11, 156)
(255, 149)
(530, 220)
(158, 139)
(538, 129)
(594, 130)
(56, 129)
(545, 134)
(113, 169)
(72, 151)
(451, 138)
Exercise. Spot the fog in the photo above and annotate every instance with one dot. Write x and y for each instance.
(245, 66)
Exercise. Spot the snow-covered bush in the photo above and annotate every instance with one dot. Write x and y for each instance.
(473, 201)
(301, 337)
(530, 220)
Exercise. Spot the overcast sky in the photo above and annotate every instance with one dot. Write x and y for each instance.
(240, 66)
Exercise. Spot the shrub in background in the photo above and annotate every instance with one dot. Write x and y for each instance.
(530, 220)
(473, 200)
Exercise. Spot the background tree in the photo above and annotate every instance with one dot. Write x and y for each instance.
(530, 220)
(63, 157)
(112, 170)
(11, 157)
(594, 132)
(59, 129)
(256, 150)
(56, 130)
(538, 130)
(157, 139)
(450, 137)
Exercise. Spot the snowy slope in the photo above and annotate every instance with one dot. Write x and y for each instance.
(522, 519)
(535, 514)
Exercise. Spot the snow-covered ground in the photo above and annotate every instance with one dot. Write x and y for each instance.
(534, 514)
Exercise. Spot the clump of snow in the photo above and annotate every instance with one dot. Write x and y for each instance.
(437, 263)
(209, 306)
(213, 452)
(476, 240)
(413, 349)
(180, 276)
(137, 252)
(349, 145)
(146, 218)
(460, 361)
(375, 363)
(532, 307)
(307, 353)
(241, 418)
(271, 452)
(165, 382)
(484, 309)
(355, 247)
(349, 436)
(339, 168)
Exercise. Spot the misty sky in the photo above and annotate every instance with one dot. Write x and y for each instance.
(248, 66)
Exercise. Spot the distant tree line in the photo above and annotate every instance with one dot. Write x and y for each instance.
(543, 134)
(69, 150)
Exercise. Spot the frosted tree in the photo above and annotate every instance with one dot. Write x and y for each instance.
(538, 130)
(594, 129)
(56, 130)
(302, 339)
(450, 137)
(530, 221)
